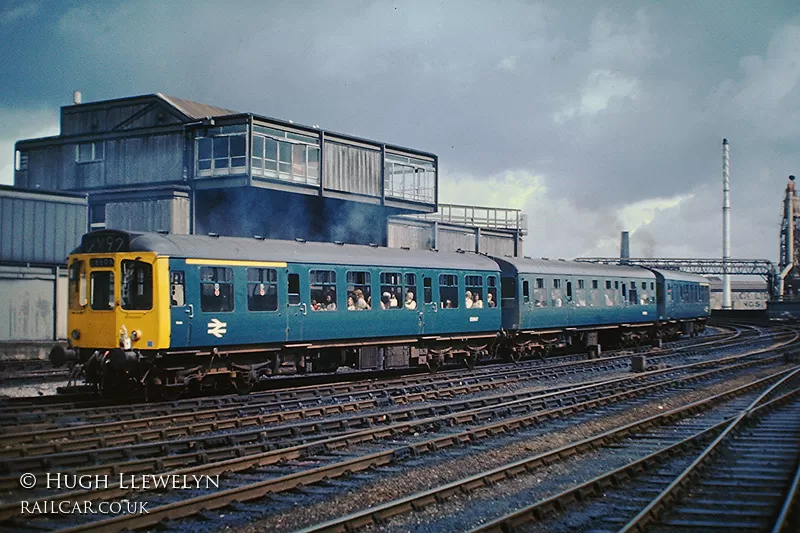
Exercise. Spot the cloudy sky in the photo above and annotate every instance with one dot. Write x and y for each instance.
(591, 117)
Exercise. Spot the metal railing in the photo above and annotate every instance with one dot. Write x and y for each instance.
(478, 217)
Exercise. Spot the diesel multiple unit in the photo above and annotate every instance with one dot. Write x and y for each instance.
(175, 311)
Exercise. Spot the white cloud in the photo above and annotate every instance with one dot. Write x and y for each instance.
(638, 214)
(601, 88)
(508, 63)
(22, 124)
(12, 14)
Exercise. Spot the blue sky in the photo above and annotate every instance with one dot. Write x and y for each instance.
(592, 117)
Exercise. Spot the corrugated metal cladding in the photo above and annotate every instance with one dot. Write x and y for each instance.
(497, 245)
(452, 240)
(416, 237)
(170, 214)
(40, 228)
(28, 312)
(126, 161)
(352, 169)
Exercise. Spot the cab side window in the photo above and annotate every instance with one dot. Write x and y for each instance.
(77, 285)
(177, 288)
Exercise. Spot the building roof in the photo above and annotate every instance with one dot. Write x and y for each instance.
(252, 249)
(196, 110)
(679, 275)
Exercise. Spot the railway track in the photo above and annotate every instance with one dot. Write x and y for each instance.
(33, 419)
(390, 442)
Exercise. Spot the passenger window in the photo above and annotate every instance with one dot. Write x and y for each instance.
(137, 285)
(102, 290)
(540, 293)
(77, 285)
(651, 286)
(633, 297)
(624, 291)
(322, 292)
(557, 294)
(410, 296)
(448, 291)
(216, 289)
(608, 284)
(262, 289)
(427, 289)
(580, 294)
(294, 289)
(391, 290)
(473, 298)
(177, 290)
(525, 292)
(491, 292)
(609, 295)
(359, 291)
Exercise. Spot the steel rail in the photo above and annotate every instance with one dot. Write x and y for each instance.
(261, 436)
(651, 512)
(598, 485)
(283, 483)
(382, 512)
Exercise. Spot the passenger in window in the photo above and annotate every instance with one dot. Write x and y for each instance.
(447, 304)
(330, 305)
(315, 306)
(557, 302)
(393, 302)
(490, 301)
(468, 299)
(410, 303)
(385, 298)
(361, 302)
(351, 305)
(477, 303)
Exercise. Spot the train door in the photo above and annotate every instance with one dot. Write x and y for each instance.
(569, 302)
(181, 311)
(508, 302)
(430, 306)
(296, 308)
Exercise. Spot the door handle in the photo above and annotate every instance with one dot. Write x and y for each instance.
(303, 309)
(435, 307)
(190, 310)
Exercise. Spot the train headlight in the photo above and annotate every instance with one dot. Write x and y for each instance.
(136, 334)
(76, 334)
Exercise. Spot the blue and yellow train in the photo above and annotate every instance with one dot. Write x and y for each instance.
(175, 311)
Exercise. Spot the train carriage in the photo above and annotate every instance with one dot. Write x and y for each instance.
(171, 310)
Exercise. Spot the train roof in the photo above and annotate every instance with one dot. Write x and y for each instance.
(256, 249)
(526, 265)
(678, 275)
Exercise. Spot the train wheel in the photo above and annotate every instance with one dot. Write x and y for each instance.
(244, 382)
(469, 360)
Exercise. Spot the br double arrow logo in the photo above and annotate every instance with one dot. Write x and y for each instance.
(217, 328)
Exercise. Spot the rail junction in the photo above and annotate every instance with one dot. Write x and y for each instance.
(560, 444)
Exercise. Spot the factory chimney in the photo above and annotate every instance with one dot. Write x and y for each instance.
(77, 98)
(787, 259)
(624, 248)
(726, 224)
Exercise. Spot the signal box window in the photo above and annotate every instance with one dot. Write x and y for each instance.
(322, 290)
(491, 292)
(474, 295)
(359, 291)
(77, 285)
(391, 291)
(102, 290)
(448, 291)
(262, 289)
(177, 290)
(216, 289)
(137, 285)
